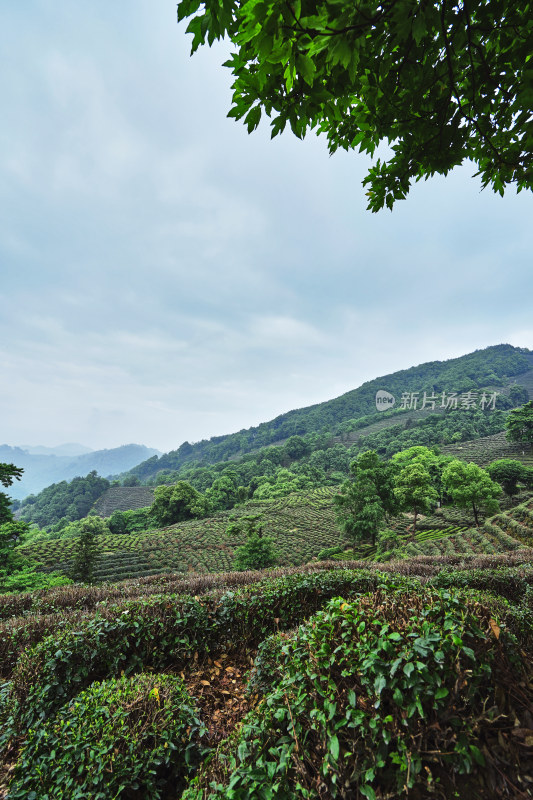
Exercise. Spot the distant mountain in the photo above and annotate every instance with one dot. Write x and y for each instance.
(71, 449)
(497, 367)
(40, 470)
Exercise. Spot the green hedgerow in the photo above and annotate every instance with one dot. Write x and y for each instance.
(376, 697)
(120, 735)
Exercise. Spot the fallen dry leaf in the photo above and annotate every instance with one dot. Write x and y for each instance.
(495, 628)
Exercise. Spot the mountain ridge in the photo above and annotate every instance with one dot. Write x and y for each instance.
(41, 471)
(497, 366)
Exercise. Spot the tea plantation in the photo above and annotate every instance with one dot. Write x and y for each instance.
(329, 680)
(302, 526)
(489, 448)
(409, 678)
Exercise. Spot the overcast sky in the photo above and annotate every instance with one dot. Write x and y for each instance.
(165, 276)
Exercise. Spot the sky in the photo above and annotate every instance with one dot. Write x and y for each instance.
(164, 276)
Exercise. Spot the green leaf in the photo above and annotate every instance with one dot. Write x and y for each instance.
(478, 755)
(252, 118)
(368, 792)
(419, 28)
(307, 68)
(408, 668)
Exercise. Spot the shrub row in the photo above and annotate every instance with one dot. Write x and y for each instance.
(513, 584)
(79, 597)
(164, 631)
(393, 696)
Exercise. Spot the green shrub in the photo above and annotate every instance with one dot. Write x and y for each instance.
(257, 553)
(139, 734)
(387, 540)
(266, 663)
(329, 552)
(514, 584)
(150, 633)
(164, 630)
(385, 695)
(28, 580)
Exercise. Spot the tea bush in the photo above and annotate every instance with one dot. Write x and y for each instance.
(378, 697)
(139, 734)
(161, 631)
(151, 633)
(515, 584)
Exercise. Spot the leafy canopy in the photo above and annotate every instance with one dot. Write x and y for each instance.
(509, 473)
(414, 489)
(366, 499)
(520, 424)
(177, 503)
(8, 473)
(470, 485)
(439, 82)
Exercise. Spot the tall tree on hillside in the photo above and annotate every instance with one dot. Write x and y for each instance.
(471, 487)
(439, 82)
(258, 552)
(8, 474)
(509, 473)
(414, 489)
(11, 533)
(367, 498)
(86, 552)
(520, 424)
(223, 493)
(434, 462)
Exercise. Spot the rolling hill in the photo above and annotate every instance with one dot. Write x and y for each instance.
(496, 368)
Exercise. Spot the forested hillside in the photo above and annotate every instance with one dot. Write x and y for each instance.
(492, 367)
(319, 457)
(65, 500)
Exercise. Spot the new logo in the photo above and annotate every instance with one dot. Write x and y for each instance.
(384, 400)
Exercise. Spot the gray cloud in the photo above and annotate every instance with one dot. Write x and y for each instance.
(165, 276)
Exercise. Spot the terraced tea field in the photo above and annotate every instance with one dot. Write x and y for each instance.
(399, 419)
(123, 498)
(489, 448)
(526, 379)
(301, 525)
(501, 533)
